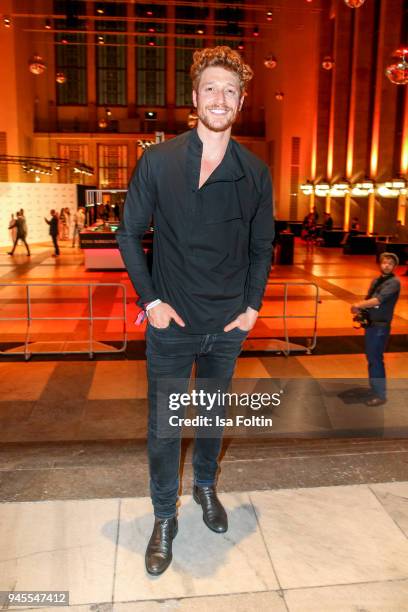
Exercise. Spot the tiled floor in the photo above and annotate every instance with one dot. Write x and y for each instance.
(331, 548)
(73, 472)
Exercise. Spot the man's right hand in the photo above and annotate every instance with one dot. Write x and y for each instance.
(160, 316)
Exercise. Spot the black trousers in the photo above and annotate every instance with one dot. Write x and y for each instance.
(24, 241)
(171, 354)
(55, 242)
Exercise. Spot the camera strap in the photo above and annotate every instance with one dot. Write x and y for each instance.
(377, 283)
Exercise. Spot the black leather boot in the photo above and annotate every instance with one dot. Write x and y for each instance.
(214, 515)
(159, 550)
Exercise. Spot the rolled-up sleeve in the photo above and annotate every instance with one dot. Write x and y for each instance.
(137, 215)
(262, 233)
(387, 290)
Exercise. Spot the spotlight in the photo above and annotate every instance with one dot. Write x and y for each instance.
(37, 65)
(269, 16)
(241, 46)
(101, 40)
(328, 62)
(7, 21)
(279, 95)
(47, 24)
(307, 188)
(270, 61)
(150, 115)
(354, 3)
(255, 32)
(151, 42)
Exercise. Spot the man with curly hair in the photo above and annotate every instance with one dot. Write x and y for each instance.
(211, 203)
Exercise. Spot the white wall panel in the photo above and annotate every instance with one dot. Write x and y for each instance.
(37, 200)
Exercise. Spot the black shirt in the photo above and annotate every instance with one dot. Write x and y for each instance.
(328, 224)
(387, 294)
(53, 223)
(212, 246)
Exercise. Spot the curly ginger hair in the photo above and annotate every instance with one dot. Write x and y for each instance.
(225, 57)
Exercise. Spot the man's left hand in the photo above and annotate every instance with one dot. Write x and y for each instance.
(244, 321)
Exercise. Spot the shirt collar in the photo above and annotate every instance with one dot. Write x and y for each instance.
(230, 169)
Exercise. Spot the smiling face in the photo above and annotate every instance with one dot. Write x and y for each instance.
(218, 98)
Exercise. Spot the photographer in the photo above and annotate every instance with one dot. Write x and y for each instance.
(375, 313)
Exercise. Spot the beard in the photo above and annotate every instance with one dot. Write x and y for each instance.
(214, 123)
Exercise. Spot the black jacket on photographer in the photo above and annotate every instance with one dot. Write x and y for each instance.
(386, 289)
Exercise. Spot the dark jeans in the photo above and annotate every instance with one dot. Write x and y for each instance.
(55, 242)
(24, 241)
(375, 343)
(171, 354)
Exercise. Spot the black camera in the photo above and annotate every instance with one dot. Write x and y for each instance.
(362, 319)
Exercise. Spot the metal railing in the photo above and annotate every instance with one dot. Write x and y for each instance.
(27, 347)
(286, 346)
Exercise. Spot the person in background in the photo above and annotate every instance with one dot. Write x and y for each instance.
(327, 222)
(24, 221)
(79, 224)
(61, 224)
(54, 230)
(326, 227)
(353, 231)
(309, 229)
(401, 233)
(378, 306)
(67, 234)
(355, 226)
(12, 228)
(21, 233)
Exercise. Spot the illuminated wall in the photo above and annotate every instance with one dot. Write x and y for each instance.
(37, 200)
(348, 122)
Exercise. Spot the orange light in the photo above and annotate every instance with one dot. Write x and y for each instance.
(374, 155)
(330, 144)
(404, 147)
(313, 161)
(370, 217)
(346, 211)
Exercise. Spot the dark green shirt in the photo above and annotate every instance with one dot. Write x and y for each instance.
(212, 246)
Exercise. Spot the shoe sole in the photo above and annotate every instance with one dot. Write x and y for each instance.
(196, 499)
(170, 560)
